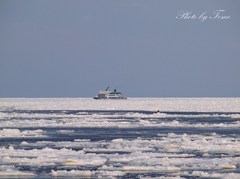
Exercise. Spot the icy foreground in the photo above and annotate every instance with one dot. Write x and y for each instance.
(85, 138)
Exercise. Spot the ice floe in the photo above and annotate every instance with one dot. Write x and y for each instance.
(72, 173)
(16, 133)
(9, 171)
(110, 123)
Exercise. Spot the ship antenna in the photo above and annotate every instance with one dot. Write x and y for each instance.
(107, 88)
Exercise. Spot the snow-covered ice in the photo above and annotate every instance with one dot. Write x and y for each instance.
(154, 104)
(86, 138)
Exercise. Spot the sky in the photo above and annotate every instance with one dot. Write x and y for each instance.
(67, 48)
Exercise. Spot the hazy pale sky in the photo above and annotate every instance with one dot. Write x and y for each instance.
(75, 48)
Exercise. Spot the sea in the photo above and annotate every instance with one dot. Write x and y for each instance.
(166, 138)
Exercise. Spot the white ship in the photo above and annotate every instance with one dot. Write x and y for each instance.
(107, 94)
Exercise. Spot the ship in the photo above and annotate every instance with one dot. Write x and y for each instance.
(108, 94)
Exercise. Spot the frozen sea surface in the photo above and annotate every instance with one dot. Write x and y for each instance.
(134, 138)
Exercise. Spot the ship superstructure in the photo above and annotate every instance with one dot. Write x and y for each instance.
(107, 94)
